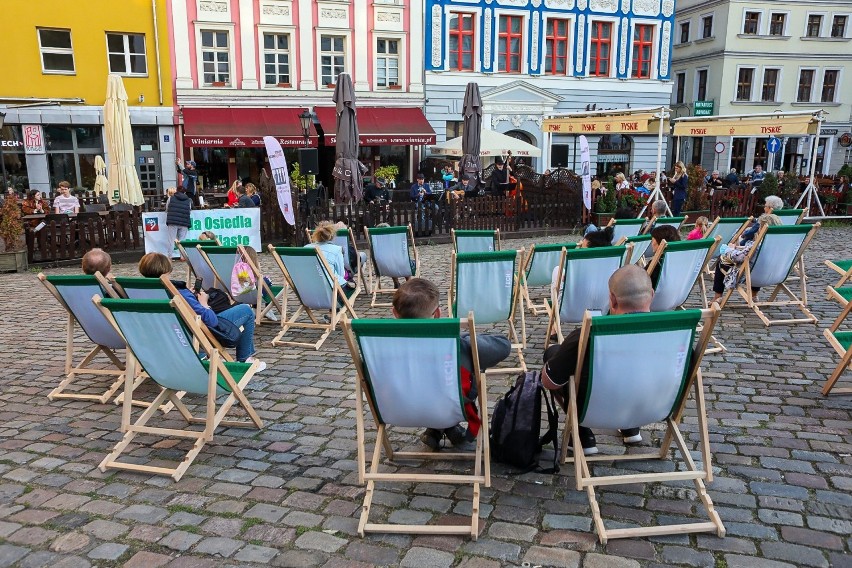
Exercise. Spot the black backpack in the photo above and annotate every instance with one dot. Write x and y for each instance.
(516, 424)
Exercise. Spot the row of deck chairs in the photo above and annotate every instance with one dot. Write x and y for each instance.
(840, 340)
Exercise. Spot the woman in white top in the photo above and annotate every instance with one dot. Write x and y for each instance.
(621, 183)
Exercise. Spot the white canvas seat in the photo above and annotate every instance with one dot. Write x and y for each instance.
(392, 251)
(475, 240)
(538, 271)
(841, 341)
(624, 390)
(196, 267)
(74, 293)
(790, 216)
(776, 253)
(676, 222)
(409, 373)
(582, 276)
(487, 285)
(680, 264)
(636, 253)
(623, 228)
(160, 336)
(277, 294)
(316, 288)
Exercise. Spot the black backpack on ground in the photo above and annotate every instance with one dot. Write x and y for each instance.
(516, 425)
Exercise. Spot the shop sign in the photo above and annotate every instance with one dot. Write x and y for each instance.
(789, 126)
(703, 108)
(240, 142)
(396, 139)
(601, 125)
(232, 226)
(829, 131)
(846, 140)
(11, 144)
(33, 139)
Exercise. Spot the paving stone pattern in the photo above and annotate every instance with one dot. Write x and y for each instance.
(288, 495)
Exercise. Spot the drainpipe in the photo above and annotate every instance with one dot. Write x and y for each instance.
(157, 51)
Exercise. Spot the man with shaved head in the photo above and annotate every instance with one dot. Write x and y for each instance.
(630, 292)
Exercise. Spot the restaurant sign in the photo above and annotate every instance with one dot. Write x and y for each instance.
(387, 139)
(638, 124)
(787, 126)
(244, 141)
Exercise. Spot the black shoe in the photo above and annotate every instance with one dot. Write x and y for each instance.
(631, 436)
(456, 435)
(432, 438)
(587, 440)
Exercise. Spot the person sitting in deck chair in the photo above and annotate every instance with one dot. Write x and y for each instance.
(97, 260)
(321, 239)
(630, 292)
(727, 270)
(658, 235)
(419, 298)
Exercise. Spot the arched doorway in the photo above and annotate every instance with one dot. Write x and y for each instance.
(523, 137)
(613, 155)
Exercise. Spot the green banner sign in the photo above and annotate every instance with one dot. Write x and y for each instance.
(703, 108)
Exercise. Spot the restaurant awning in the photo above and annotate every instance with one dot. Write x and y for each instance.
(382, 126)
(644, 123)
(243, 127)
(747, 126)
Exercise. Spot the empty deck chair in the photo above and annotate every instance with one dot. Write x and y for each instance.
(843, 268)
(160, 336)
(409, 373)
(657, 391)
(538, 271)
(841, 341)
(476, 241)
(196, 267)
(790, 216)
(394, 255)
(622, 228)
(316, 288)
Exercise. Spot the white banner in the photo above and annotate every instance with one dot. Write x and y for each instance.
(232, 226)
(282, 178)
(585, 170)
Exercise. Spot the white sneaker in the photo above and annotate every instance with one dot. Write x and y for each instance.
(261, 365)
(270, 315)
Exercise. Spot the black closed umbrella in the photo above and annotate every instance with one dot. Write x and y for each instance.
(471, 164)
(347, 170)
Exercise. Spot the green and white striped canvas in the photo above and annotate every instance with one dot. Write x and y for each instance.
(389, 246)
(626, 228)
(545, 258)
(725, 228)
(311, 281)
(475, 241)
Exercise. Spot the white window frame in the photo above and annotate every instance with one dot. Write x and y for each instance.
(837, 85)
(845, 30)
(687, 21)
(294, 62)
(695, 83)
(495, 65)
(478, 55)
(347, 51)
(750, 98)
(778, 82)
(821, 25)
(199, 59)
(784, 32)
(613, 56)
(701, 18)
(816, 84)
(56, 50)
(760, 21)
(655, 54)
(675, 75)
(572, 43)
(126, 53)
(400, 55)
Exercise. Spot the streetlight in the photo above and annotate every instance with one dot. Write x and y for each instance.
(2, 159)
(305, 118)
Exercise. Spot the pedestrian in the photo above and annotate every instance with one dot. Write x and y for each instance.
(681, 183)
(190, 178)
(177, 217)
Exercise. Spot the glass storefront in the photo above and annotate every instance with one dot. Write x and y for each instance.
(71, 152)
(14, 159)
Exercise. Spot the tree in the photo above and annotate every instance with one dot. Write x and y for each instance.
(11, 227)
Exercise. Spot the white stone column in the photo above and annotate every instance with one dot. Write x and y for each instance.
(182, 32)
(247, 44)
(308, 51)
(361, 47)
(416, 42)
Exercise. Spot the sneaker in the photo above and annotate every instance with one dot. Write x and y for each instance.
(431, 438)
(351, 284)
(270, 315)
(456, 435)
(631, 436)
(261, 365)
(587, 440)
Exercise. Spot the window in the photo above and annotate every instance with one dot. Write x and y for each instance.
(331, 58)
(814, 25)
(838, 26)
(770, 85)
(680, 85)
(643, 48)
(215, 58)
(697, 150)
(829, 85)
(556, 45)
(751, 23)
(461, 42)
(455, 128)
(509, 42)
(71, 152)
(14, 159)
(738, 154)
(684, 32)
(387, 62)
(599, 49)
(701, 85)
(707, 27)
(57, 54)
(126, 54)
(745, 77)
(806, 84)
(776, 24)
(276, 60)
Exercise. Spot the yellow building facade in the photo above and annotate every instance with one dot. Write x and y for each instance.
(57, 56)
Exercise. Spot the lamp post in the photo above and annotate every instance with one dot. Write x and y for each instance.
(306, 118)
(2, 159)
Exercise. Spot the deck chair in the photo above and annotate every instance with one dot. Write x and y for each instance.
(409, 373)
(640, 243)
(622, 228)
(776, 253)
(344, 238)
(840, 295)
(583, 276)
(790, 216)
(221, 260)
(487, 285)
(538, 271)
(675, 222)
(160, 336)
(843, 268)
(475, 241)
(392, 251)
(680, 264)
(195, 265)
(657, 391)
(277, 294)
(74, 293)
(310, 277)
(841, 341)
(729, 230)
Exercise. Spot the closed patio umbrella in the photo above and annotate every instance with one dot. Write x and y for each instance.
(123, 182)
(101, 183)
(347, 170)
(472, 110)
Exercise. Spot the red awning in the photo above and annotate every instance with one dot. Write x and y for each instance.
(382, 126)
(243, 127)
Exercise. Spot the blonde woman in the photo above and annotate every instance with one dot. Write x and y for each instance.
(621, 183)
(233, 195)
(680, 182)
(322, 238)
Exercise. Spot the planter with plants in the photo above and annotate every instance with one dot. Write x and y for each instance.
(697, 200)
(14, 257)
(632, 199)
(605, 205)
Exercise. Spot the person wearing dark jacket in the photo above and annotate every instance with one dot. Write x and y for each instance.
(244, 200)
(499, 182)
(177, 218)
(190, 177)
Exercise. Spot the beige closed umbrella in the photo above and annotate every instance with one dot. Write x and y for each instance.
(101, 184)
(123, 182)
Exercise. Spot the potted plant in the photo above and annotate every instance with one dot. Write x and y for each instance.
(768, 187)
(605, 205)
(389, 174)
(14, 259)
(697, 201)
(632, 199)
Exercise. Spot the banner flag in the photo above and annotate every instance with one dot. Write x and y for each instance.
(282, 179)
(586, 172)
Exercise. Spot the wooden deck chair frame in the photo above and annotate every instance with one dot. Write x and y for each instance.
(554, 324)
(843, 268)
(116, 375)
(693, 381)
(744, 285)
(363, 278)
(481, 474)
(640, 243)
(191, 259)
(376, 288)
(334, 313)
(219, 377)
(538, 271)
(842, 344)
(626, 229)
(476, 234)
(277, 294)
(519, 342)
(841, 295)
(787, 215)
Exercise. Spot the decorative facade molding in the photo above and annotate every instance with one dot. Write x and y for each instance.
(516, 119)
(212, 6)
(536, 3)
(622, 56)
(646, 7)
(276, 10)
(534, 58)
(664, 51)
(604, 5)
(625, 6)
(668, 8)
(437, 36)
(581, 4)
(559, 4)
(581, 41)
(333, 13)
(394, 17)
(486, 41)
(513, 2)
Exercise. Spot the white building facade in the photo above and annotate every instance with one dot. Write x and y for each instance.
(534, 58)
(760, 57)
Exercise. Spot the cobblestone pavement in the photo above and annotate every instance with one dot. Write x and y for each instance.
(288, 494)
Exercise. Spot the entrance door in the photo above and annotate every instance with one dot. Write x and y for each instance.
(148, 170)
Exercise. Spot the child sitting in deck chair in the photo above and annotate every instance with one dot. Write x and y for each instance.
(418, 298)
(322, 238)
